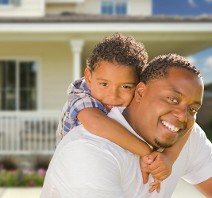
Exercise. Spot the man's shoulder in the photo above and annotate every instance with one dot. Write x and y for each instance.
(197, 132)
(80, 137)
(198, 138)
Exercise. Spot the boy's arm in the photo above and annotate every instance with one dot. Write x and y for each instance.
(95, 121)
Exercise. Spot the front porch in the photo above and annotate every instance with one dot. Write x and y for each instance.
(28, 133)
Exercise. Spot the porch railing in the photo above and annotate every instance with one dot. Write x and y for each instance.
(27, 133)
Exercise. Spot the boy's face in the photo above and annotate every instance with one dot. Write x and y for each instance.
(166, 108)
(112, 84)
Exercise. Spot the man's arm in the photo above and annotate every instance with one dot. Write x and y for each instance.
(199, 159)
(205, 187)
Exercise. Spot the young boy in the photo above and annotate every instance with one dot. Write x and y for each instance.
(110, 79)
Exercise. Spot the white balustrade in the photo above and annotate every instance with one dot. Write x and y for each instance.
(28, 133)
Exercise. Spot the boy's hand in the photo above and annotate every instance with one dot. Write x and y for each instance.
(144, 164)
(155, 186)
(161, 167)
(158, 165)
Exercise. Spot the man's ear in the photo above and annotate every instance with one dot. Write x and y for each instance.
(87, 74)
(140, 90)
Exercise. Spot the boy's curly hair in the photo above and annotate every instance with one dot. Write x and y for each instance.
(119, 49)
(158, 67)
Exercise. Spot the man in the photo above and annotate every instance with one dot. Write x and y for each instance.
(164, 109)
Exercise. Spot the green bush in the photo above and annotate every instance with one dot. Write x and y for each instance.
(18, 178)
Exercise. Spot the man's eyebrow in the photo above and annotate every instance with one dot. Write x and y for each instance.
(176, 91)
(179, 93)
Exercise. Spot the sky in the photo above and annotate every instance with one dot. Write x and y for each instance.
(203, 59)
(182, 7)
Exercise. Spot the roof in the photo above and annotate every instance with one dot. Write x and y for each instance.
(74, 17)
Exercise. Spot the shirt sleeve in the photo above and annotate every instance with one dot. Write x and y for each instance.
(200, 157)
(77, 102)
(79, 98)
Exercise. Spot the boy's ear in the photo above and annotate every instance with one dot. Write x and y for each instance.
(87, 74)
(140, 90)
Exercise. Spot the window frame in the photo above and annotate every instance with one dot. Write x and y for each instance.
(114, 5)
(17, 84)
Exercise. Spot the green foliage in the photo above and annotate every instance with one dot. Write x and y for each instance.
(208, 132)
(18, 178)
(7, 164)
(12, 175)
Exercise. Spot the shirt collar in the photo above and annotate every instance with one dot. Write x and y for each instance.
(116, 114)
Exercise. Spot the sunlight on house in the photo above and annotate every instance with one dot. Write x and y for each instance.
(44, 45)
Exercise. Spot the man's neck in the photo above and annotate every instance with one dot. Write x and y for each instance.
(129, 118)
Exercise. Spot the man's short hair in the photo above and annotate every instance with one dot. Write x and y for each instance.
(158, 67)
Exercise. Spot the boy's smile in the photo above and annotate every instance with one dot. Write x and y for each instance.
(112, 84)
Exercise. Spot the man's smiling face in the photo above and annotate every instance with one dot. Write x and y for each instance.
(166, 108)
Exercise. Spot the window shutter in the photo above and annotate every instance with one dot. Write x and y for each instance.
(16, 2)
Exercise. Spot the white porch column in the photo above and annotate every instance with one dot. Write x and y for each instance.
(76, 46)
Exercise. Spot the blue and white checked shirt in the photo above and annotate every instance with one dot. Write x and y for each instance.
(79, 97)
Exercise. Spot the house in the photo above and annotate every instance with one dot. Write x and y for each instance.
(44, 45)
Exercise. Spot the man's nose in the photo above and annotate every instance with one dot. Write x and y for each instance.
(181, 113)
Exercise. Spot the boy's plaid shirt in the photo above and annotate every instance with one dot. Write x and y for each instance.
(79, 97)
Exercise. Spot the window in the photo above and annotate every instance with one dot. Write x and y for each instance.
(18, 85)
(10, 2)
(121, 8)
(114, 8)
(4, 2)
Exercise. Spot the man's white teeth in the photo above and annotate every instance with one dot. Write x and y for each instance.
(170, 127)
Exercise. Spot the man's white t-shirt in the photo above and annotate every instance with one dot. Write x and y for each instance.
(88, 166)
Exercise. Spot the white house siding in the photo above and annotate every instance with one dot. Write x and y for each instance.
(54, 64)
(60, 8)
(56, 74)
(89, 7)
(64, 1)
(27, 8)
(138, 7)
(135, 7)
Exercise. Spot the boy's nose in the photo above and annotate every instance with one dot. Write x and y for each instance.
(113, 93)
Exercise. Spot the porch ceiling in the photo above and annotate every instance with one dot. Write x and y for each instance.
(157, 38)
(156, 43)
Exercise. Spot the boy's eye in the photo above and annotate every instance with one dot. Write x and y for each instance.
(127, 87)
(103, 84)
